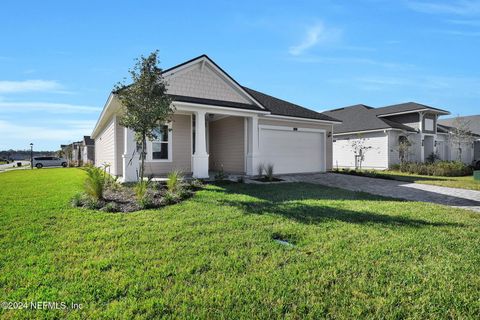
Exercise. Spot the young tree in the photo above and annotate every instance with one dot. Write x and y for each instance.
(460, 134)
(360, 147)
(145, 102)
(404, 146)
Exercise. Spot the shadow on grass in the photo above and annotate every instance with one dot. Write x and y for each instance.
(287, 200)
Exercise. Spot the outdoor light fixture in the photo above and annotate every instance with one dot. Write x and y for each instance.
(31, 155)
(422, 142)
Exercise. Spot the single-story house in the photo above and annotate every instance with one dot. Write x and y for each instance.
(473, 124)
(381, 131)
(87, 150)
(218, 125)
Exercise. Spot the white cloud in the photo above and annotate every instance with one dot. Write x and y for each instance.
(11, 133)
(30, 86)
(459, 7)
(314, 35)
(48, 107)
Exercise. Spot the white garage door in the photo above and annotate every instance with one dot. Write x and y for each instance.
(292, 150)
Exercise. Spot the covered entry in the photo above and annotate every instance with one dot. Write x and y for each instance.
(292, 150)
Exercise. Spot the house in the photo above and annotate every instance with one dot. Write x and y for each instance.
(218, 125)
(473, 124)
(87, 150)
(382, 130)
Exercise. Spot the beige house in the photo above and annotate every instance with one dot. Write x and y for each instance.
(218, 125)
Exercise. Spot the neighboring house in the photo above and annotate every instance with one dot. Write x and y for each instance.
(473, 123)
(218, 125)
(382, 130)
(71, 152)
(87, 150)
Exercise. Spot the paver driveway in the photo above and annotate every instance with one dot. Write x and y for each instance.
(467, 199)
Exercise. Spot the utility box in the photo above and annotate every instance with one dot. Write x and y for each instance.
(476, 175)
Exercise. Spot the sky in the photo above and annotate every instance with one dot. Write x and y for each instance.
(59, 60)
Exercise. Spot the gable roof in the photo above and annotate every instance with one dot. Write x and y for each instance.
(284, 108)
(358, 118)
(407, 107)
(473, 122)
(88, 141)
(204, 58)
(260, 102)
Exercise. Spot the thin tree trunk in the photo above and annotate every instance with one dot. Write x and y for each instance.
(142, 156)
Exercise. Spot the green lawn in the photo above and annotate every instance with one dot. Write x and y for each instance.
(453, 182)
(213, 256)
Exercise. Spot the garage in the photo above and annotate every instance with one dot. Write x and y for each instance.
(286, 147)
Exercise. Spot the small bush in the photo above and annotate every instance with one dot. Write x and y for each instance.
(95, 182)
(220, 175)
(91, 203)
(140, 190)
(171, 198)
(174, 182)
(110, 207)
(241, 179)
(260, 169)
(77, 200)
(439, 168)
(196, 184)
(146, 202)
(269, 172)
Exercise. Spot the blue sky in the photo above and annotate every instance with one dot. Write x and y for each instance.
(60, 59)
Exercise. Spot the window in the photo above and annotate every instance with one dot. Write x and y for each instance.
(161, 146)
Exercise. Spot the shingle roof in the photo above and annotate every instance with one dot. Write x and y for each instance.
(284, 108)
(405, 107)
(88, 141)
(219, 103)
(274, 105)
(360, 117)
(473, 122)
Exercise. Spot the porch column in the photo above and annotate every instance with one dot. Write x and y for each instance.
(131, 158)
(200, 158)
(252, 139)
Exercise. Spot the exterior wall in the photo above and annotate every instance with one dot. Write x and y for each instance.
(408, 119)
(203, 82)
(120, 147)
(477, 150)
(181, 149)
(375, 158)
(432, 117)
(105, 147)
(227, 144)
(312, 125)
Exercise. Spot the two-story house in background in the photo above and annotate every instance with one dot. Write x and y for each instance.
(379, 132)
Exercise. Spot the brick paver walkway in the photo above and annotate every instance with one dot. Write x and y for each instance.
(462, 198)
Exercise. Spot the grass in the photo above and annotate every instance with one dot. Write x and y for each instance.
(215, 256)
(466, 182)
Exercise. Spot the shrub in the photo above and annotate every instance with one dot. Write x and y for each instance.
(91, 203)
(241, 179)
(171, 198)
(220, 175)
(439, 168)
(140, 190)
(174, 182)
(77, 200)
(260, 169)
(95, 182)
(110, 207)
(196, 184)
(269, 172)
(146, 202)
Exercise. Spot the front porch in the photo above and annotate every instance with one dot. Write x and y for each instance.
(213, 139)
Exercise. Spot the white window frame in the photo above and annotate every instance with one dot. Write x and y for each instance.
(150, 147)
